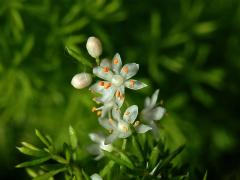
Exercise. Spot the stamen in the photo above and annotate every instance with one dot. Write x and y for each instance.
(118, 94)
(94, 109)
(115, 61)
(132, 82)
(107, 85)
(127, 113)
(95, 99)
(105, 69)
(101, 83)
(125, 69)
(99, 113)
(136, 123)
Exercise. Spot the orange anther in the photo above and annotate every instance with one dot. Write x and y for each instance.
(121, 97)
(105, 69)
(99, 113)
(125, 69)
(132, 82)
(101, 83)
(115, 61)
(127, 113)
(136, 123)
(107, 85)
(95, 99)
(118, 94)
(94, 109)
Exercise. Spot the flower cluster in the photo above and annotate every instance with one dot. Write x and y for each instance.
(114, 78)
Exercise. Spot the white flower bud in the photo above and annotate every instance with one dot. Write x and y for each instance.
(94, 47)
(81, 80)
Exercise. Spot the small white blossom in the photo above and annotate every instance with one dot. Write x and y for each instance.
(105, 108)
(152, 112)
(94, 47)
(81, 80)
(99, 146)
(116, 79)
(121, 127)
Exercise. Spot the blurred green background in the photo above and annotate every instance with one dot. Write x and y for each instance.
(190, 49)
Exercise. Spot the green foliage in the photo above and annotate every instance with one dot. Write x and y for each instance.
(119, 164)
(48, 162)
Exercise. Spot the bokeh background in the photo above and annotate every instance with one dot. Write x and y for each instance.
(189, 49)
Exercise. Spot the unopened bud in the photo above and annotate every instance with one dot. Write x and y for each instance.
(81, 80)
(94, 47)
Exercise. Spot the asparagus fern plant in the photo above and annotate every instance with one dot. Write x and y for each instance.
(129, 147)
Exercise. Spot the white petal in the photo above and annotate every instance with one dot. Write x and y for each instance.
(100, 156)
(147, 102)
(96, 137)
(134, 84)
(119, 95)
(103, 73)
(129, 70)
(155, 130)
(116, 63)
(108, 124)
(105, 63)
(110, 139)
(157, 113)
(153, 114)
(123, 129)
(96, 177)
(107, 94)
(116, 113)
(125, 134)
(131, 114)
(94, 149)
(120, 100)
(107, 147)
(154, 98)
(105, 110)
(143, 128)
(98, 87)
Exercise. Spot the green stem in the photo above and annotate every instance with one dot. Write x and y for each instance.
(138, 146)
(124, 144)
(98, 61)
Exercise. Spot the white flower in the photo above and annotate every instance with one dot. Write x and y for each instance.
(152, 112)
(99, 146)
(107, 107)
(81, 80)
(94, 47)
(121, 127)
(96, 177)
(116, 79)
